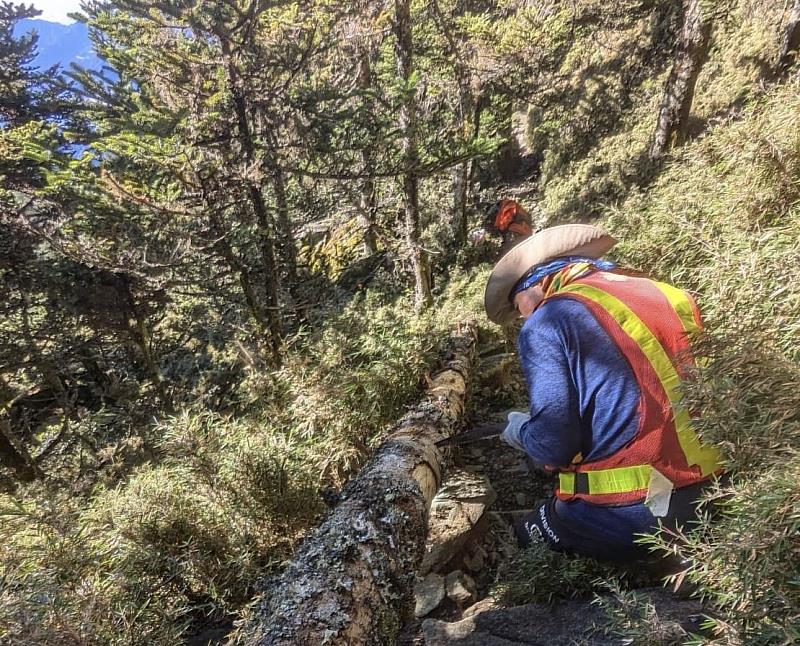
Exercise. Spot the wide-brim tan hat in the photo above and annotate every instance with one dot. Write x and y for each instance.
(564, 240)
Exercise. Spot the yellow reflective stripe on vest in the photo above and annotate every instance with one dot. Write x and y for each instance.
(606, 481)
(706, 457)
(680, 303)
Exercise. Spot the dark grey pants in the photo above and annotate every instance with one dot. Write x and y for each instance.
(544, 525)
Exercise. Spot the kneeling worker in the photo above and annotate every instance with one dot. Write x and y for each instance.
(603, 354)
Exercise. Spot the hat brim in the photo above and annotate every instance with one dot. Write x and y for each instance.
(564, 240)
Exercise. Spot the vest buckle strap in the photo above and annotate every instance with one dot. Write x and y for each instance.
(605, 481)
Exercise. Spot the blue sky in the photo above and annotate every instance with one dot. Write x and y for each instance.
(56, 10)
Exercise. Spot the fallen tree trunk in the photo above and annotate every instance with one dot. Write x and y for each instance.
(351, 580)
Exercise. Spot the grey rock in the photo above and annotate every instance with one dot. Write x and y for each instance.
(539, 624)
(428, 594)
(474, 559)
(441, 633)
(456, 512)
(460, 587)
(488, 603)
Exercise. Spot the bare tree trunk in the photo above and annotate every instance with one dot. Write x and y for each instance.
(270, 269)
(791, 41)
(368, 208)
(367, 204)
(287, 244)
(351, 580)
(144, 339)
(256, 197)
(287, 247)
(246, 282)
(465, 176)
(510, 159)
(408, 128)
(140, 335)
(462, 173)
(693, 46)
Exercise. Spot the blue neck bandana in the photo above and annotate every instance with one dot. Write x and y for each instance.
(542, 270)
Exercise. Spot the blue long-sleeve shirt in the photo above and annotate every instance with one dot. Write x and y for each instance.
(584, 401)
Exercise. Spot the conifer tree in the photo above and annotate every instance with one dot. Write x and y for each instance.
(215, 80)
(26, 145)
(407, 123)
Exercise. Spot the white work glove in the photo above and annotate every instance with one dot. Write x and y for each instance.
(511, 433)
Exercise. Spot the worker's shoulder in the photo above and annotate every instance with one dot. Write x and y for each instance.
(557, 316)
(559, 311)
(564, 323)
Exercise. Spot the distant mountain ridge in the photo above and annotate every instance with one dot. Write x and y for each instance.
(61, 44)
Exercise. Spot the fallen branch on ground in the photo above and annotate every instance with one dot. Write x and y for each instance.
(351, 581)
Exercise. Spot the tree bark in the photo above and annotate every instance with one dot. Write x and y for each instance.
(287, 247)
(408, 127)
(465, 123)
(460, 175)
(367, 203)
(225, 251)
(464, 175)
(351, 581)
(140, 334)
(255, 194)
(693, 46)
(510, 158)
(791, 41)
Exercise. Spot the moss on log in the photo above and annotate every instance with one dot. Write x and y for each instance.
(351, 581)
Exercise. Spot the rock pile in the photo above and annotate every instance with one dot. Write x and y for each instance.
(458, 521)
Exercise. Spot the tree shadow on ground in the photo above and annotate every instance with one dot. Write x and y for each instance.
(562, 623)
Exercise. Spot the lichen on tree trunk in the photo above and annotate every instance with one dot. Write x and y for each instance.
(351, 580)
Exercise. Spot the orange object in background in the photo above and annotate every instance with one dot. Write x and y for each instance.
(512, 217)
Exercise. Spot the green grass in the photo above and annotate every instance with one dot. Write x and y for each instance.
(155, 551)
(538, 574)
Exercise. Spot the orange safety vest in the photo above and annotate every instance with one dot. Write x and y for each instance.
(650, 323)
